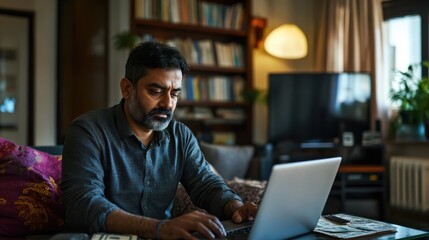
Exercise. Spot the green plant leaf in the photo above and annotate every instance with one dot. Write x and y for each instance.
(254, 95)
(412, 93)
(125, 40)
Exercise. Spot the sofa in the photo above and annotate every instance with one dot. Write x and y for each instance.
(30, 194)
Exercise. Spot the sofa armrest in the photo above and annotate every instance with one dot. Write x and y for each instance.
(262, 163)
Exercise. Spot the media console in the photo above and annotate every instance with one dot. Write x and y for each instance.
(351, 155)
(361, 179)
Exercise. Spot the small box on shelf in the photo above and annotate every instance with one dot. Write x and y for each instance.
(226, 138)
(231, 113)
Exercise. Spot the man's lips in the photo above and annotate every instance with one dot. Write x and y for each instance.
(161, 115)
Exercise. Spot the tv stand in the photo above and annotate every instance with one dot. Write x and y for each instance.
(351, 155)
(360, 179)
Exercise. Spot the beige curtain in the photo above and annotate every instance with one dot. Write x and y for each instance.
(350, 39)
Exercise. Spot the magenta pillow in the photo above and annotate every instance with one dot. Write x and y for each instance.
(30, 195)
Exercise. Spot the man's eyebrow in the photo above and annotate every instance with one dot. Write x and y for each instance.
(157, 85)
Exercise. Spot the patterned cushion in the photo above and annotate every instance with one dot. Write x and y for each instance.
(29, 191)
(248, 190)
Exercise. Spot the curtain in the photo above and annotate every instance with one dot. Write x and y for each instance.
(349, 38)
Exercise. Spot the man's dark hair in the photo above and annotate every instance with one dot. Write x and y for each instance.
(150, 55)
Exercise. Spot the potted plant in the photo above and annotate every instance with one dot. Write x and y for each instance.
(254, 95)
(126, 40)
(412, 95)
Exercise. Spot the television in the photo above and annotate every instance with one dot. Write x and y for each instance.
(318, 107)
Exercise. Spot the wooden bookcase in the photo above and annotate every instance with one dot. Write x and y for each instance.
(215, 38)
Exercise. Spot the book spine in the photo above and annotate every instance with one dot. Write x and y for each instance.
(191, 12)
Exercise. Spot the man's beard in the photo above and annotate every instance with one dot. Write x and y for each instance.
(149, 120)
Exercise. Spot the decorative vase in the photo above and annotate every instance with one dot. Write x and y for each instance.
(427, 130)
(411, 132)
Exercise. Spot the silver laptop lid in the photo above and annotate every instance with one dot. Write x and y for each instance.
(294, 199)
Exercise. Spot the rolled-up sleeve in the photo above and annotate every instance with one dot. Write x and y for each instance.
(86, 207)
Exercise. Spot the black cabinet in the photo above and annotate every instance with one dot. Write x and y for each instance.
(359, 189)
(360, 185)
(351, 155)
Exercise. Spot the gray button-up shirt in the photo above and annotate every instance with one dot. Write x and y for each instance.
(105, 167)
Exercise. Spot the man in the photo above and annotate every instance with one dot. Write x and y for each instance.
(122, 165)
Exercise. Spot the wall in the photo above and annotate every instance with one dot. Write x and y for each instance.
(119, 21)
(277, 12)
(45, 65)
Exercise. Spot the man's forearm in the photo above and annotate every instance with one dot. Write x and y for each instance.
(119, 221)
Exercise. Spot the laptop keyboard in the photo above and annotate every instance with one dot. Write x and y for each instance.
(239, 234)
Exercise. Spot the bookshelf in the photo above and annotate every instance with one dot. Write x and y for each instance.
(215, 38)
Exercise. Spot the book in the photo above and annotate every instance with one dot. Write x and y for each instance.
(356, 227)
(225, 138)
(231, 113)
(207, 53)
(109, 236)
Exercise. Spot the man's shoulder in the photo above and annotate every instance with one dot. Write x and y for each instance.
(97, 116)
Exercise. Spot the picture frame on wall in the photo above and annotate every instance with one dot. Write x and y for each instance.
(16, 75)
(8, 87)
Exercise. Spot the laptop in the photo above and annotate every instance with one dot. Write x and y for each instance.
(293, 201)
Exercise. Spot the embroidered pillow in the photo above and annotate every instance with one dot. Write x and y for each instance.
(248, 190)
(30, 197)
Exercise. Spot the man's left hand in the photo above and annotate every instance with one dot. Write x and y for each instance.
(246, 211)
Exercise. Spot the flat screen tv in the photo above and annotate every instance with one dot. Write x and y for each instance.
(318, 107)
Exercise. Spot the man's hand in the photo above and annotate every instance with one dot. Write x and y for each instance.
(182, 227)
(246, 212)
(240, 212)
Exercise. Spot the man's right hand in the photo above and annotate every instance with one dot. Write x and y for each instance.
(183, 227)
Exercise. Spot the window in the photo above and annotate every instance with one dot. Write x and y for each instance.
(402, 45)
(402, 42)
(405, 33)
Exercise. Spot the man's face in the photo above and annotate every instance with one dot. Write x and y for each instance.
(152, 101)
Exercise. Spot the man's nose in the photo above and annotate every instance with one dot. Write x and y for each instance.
(166, 101)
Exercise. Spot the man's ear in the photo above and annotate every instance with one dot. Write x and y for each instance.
(126, 88)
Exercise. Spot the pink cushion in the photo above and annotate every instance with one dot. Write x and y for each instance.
(30, 195)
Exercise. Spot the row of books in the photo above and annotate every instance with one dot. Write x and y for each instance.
(206, 52)
(210, 53)
(205, 113)
(191, 12)
(212, 88)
